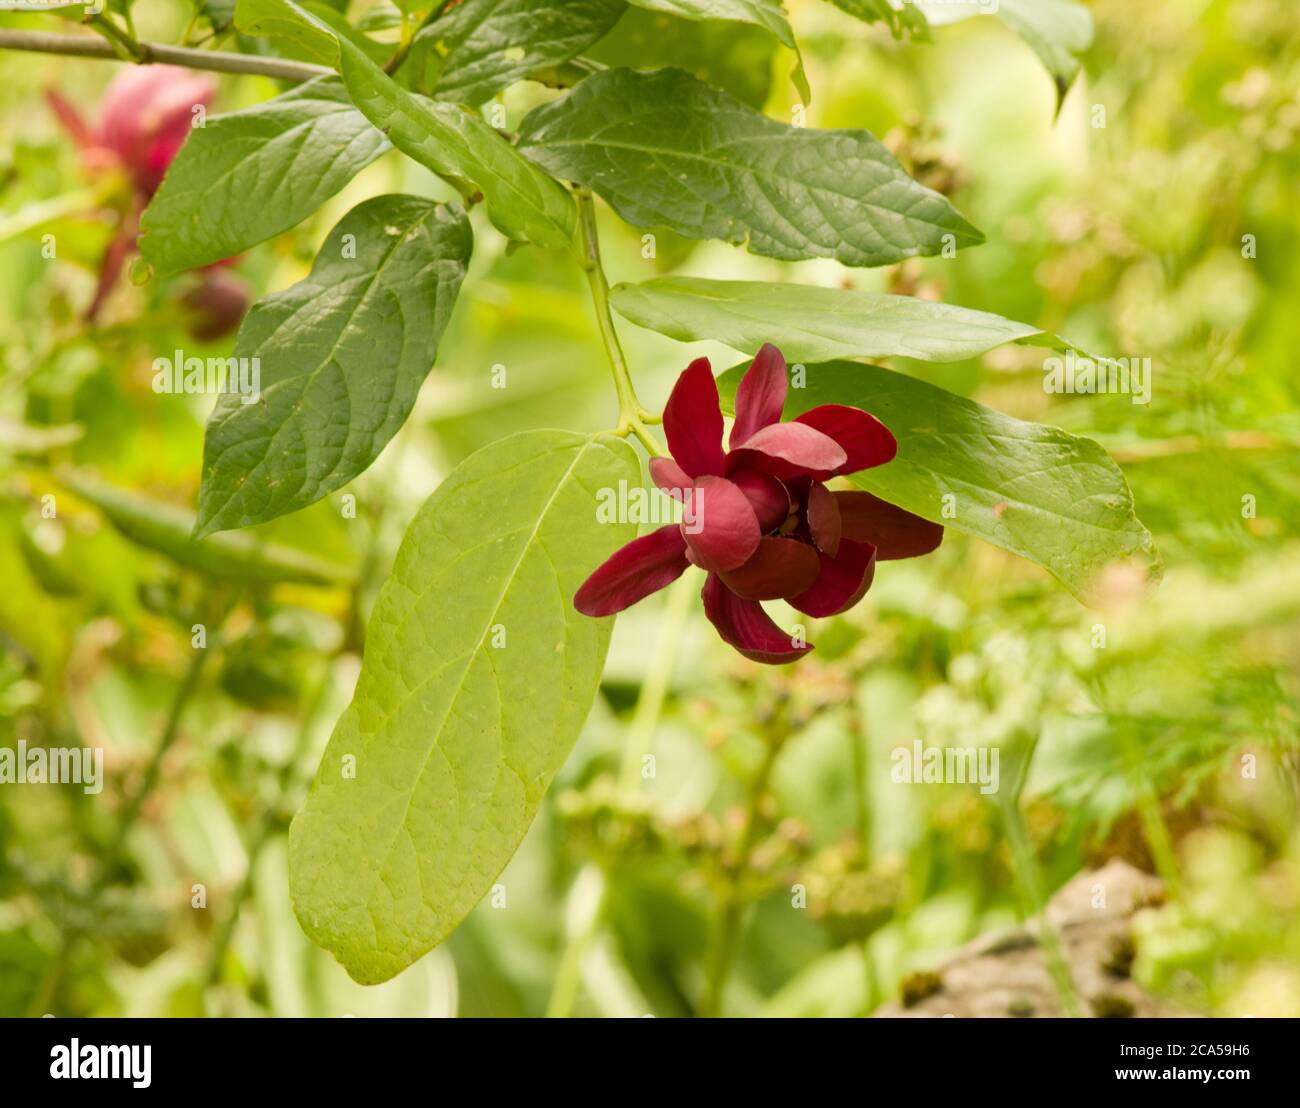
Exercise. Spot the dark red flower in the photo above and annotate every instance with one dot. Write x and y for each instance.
(758, 518)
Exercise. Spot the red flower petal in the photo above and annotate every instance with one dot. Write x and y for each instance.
(70, 119)
(779, 567)
(843, 581)
(865, 440)
(824, 518)
(744, 625)
(633, 572)
(895, 532)
(789, 450)
(760, 397)
(693, 421)
(669, 476)
(767, 496)
(719, 525)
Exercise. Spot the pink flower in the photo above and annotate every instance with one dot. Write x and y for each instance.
(759, 519)
(144, 117)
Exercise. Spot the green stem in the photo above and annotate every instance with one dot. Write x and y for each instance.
(122, 41)
(732, 904)
(408, 40)
(131, 812)
(588, 904)
(1036, 906)
(654, 689)
(632, 417)
(284, 782)
(645, 719)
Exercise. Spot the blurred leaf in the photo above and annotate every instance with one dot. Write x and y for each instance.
(167, 529)
(1056, 30)
(455, 736)
(1051, 497)
(667, 151)
(811, 324)
(489, 44)
(907, 17)
(345, 352)
(292, 153)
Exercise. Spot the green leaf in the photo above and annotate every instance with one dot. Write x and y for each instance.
(1037, 491)
(522, 201)
(811, 324)
(768, 14)
(1056, 30)
(278, 19)
(478, 674)
(908, 18)
(342, 355)
(667, 151)
(291, 153)
(239, 557)
(489, 44)
(735, 58)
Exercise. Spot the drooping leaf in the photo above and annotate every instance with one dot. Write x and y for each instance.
(1037, 491)
(811, 324)
(489, 44)
(249, 175)
(522, 201)
(666, 150)
(1058, 31)
(466, 707)
(768, 14)
(342, 355)
(168, 530)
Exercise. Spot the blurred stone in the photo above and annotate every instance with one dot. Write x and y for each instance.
(1005, 974)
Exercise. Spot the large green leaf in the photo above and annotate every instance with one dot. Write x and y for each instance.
(249, 175)
(1049, 496)
(666, 150)
(342, 355)
(167, 529)
(489, 44)
(522, 201)
(477, 676)
(810, 323)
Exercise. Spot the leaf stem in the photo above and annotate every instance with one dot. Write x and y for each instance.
(632, 417)
(732, 904)
(171, 732)
(148, 53)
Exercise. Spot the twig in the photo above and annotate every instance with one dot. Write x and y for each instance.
(84, 46)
